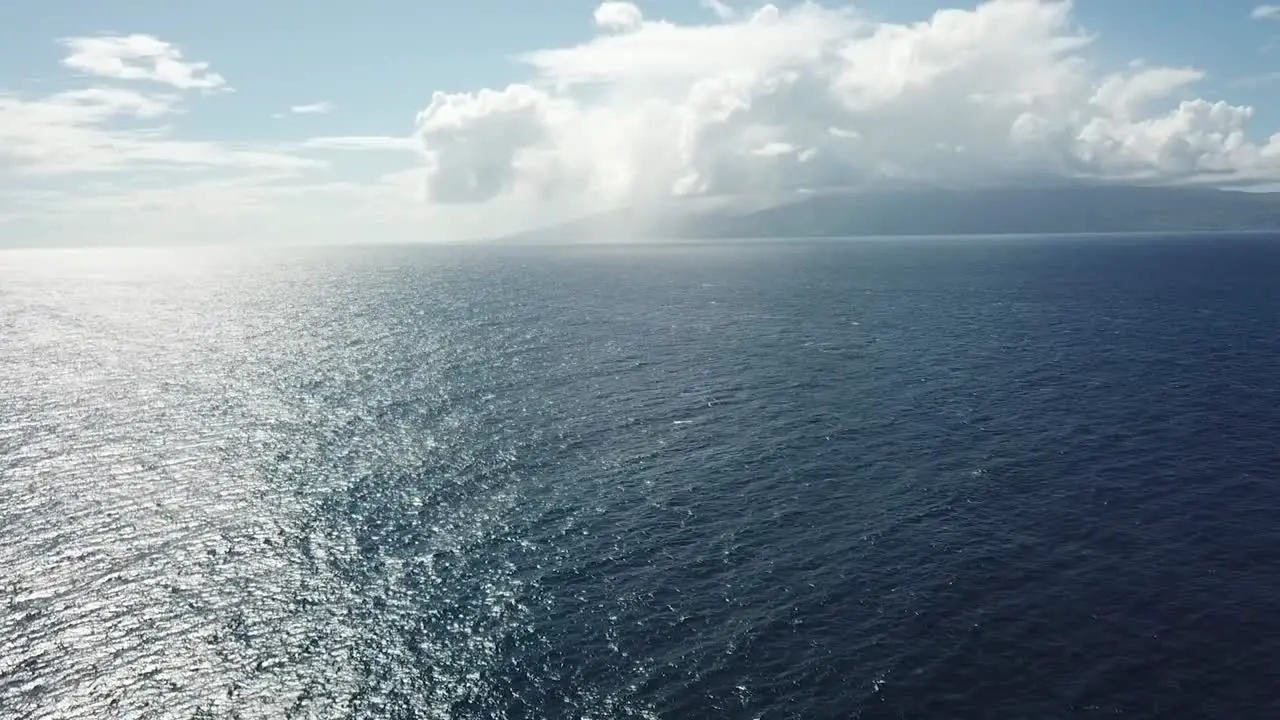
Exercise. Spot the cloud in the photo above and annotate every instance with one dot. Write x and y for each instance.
(618, 16)
(125, 130)
(769, 40)
(105, 129)
(105, 162)
(1128, 95)
(811, 96)
(364, 143)
(109, 164)
(1266, 12)
(721, 10)
(139, 57)
(762, 101)
(316, 108)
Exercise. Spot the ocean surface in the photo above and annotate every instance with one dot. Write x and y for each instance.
(914, 478)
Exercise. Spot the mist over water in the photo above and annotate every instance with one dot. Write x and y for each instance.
(914, 478)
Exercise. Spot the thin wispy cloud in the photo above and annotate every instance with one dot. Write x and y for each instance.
(121, 168)
(106, 129)
(316, 108)
(364, 142)
(139, 57)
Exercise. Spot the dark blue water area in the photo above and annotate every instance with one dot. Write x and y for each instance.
(913, 478)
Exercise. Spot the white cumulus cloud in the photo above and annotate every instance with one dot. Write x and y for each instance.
(809, 96)
(618, 16)
(1266, 12)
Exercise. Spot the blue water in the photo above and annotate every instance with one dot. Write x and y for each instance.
(967, 478)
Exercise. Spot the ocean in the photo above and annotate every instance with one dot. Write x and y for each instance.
(1020, 477)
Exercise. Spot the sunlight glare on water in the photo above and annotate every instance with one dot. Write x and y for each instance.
(812, 479)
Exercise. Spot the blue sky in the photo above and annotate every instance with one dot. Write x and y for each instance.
(375, 65)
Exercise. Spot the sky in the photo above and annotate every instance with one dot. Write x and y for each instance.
(288, 122)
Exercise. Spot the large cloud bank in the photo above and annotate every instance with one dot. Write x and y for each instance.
(811, 96)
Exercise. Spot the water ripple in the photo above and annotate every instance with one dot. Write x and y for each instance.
(922, 479)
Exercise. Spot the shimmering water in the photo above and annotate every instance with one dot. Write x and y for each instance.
(1001, 478)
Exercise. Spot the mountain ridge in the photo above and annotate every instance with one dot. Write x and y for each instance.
(1065, 209)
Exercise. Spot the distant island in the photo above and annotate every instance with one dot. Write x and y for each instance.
(1076, 209)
